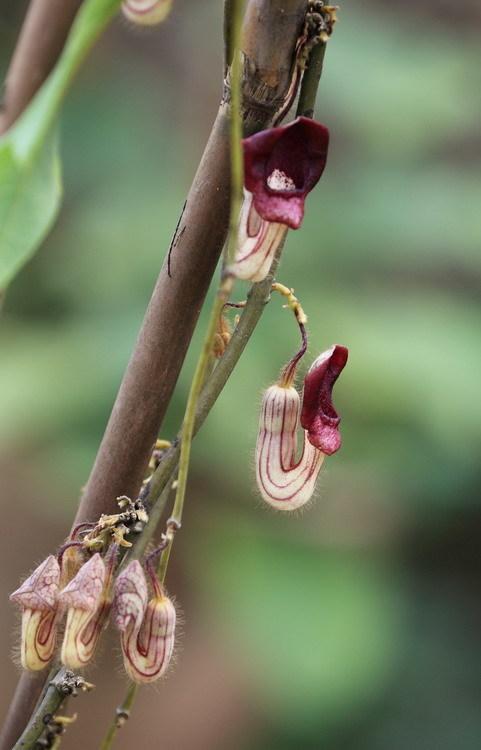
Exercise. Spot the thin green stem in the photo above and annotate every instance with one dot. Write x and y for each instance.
(121, 716)
(235, 9)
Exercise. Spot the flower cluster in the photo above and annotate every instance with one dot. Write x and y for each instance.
(281, 166)
(79, 586)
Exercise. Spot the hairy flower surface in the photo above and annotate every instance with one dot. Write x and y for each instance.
(282, 165)
(285, 482)
(147, 631)
(38, 598)
(146, 12)
(85, 599)
(319, 417)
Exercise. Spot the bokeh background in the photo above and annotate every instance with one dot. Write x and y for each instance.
(354, 625)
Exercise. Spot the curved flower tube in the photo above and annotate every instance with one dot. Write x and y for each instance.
(86, 600)
(147, 630)
(258, 241)
(146, 12)
(284, 482)
(38, 598)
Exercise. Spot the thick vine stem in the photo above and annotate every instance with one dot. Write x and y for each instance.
(39, 45)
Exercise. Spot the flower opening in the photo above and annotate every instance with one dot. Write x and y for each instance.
(281, 167)
(319, 417)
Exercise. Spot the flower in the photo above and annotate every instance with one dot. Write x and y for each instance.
(146, 12)
(282, 165)
(147, 630)
(86, 600)
(287, 483)
(38, 598)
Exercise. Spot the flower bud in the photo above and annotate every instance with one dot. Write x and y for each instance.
(85, 599)
(284, 482)
(38, 598)
(146, 12)
(147, 631)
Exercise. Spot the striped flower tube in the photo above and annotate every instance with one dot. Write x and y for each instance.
(147, 629)
(146, 12)
(38, 598)
(258, 241)
(284, 481)
(87, 603)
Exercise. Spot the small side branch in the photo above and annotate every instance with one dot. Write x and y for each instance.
(45, 719)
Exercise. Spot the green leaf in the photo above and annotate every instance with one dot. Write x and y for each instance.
(29, 200)
(30, 183)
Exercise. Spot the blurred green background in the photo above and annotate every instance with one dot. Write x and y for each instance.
(355, 625)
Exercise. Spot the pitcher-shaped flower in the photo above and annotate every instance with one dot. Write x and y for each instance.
(281, 166)
(86, 599)
(146, 12)
(147, 630)
(38, 598)
(284, 481)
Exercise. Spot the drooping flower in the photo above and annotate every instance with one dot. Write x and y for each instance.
(86, 599)
(284, 481)
(146, 12)
(147, 630)
(281, 166)
(38, 598)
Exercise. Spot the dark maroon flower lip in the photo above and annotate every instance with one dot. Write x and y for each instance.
(282, 165)
(319, 417)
